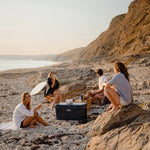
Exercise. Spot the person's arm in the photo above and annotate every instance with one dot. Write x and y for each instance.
(100, 91)
(35, 110)
(26, 112)
(106, 84)
(112, 82)
(51, 82)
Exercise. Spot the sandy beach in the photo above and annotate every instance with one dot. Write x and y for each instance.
(74, 80)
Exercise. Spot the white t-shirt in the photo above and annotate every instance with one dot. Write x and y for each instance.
(19, 115)
(102, 79)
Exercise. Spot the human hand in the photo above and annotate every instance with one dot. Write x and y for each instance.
(98, 91)
(54, 76)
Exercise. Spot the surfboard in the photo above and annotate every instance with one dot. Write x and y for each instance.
(38, 88)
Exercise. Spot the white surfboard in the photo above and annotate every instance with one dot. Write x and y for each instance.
(38, 88)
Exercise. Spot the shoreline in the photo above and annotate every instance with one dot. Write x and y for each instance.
(21, 70)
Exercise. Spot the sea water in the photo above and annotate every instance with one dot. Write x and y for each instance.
(8, 64)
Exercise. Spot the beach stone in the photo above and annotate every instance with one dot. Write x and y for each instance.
(146, 106)
(44, 147)
(108, 121)
(143, 84)
(64, 138)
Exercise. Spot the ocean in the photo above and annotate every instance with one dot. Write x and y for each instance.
(8, 64)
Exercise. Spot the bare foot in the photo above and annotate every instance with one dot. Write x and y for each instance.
(114, 108)
(31, 126)
(46, 124)
(110, 107)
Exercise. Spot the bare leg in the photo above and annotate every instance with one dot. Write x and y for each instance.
(110, 107)
(97, 98)
(40, 120)
(33, 122)
(27, 121)
(60, 96)
(49, 98)
(90, 93)
(55, 100)
(113, 97)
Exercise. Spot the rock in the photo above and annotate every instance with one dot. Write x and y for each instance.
(128, 130)
(146, 106)
(108, 121)
(143, 85)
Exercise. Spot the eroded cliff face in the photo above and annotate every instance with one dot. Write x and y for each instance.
(128, 34)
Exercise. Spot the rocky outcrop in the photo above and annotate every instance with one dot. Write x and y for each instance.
(127, 35)
(126, 128)
(108, 121)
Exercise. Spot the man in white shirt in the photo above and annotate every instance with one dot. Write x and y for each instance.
(98, 95)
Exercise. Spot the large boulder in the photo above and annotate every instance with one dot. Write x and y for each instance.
(108, 121)
(126, 128)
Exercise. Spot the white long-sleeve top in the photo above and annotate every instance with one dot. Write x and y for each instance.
(19, 115)
(102, 79)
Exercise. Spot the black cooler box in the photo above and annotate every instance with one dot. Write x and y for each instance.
(75, 111)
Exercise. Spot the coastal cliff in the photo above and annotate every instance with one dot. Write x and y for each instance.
(128, 34)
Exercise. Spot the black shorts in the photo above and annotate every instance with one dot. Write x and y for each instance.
(21, 126)
(105, 100)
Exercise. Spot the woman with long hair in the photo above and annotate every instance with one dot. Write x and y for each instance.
(23, 116)
(51, 89)
(118, 89)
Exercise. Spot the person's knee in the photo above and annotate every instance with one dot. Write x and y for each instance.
(59, 91)
(89, 93)
(31, 117)
(106, 90)
(56, 96)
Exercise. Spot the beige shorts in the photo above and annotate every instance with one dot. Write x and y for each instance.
(123, 102)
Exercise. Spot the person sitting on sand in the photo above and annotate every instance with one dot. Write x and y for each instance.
(98, 95)
(51, 89)
(121, 92)
(23, 116)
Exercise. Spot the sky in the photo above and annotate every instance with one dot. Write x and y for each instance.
(39, 27)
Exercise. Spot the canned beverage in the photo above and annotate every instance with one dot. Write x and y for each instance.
(92, 92)
(82, 97)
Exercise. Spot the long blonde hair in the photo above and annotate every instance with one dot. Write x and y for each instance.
(28, 106)
(49, 75)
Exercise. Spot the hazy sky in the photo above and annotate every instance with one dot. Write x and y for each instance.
(54, 26)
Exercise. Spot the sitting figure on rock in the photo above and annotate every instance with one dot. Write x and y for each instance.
(118, 89)
(51, 91)
(98, 96)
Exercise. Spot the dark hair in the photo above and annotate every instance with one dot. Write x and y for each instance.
(100, 72)
(120, 67)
